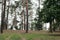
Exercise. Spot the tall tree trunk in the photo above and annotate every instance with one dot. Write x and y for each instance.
(23, 13)
(2, 18)
(3, 15)
(39, 3)
(27, 16)
(50, 27)
(11, 9)
(54, 27)
(24, 21)
(14, 20)
(7, 15)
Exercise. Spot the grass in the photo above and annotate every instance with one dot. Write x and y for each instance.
(15, 37)
(40, 37)
(28, 36)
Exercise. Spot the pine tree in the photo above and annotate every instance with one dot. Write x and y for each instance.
(51, 11)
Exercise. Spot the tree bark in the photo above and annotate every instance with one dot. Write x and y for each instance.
(50, 27)
(7, 15)
(27, 16)
(3, 15)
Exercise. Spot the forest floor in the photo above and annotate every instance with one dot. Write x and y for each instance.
(31, 35)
